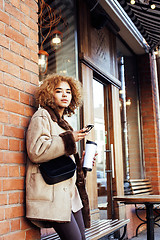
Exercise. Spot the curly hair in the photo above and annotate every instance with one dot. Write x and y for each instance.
(44, 93)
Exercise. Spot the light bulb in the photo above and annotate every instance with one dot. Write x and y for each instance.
(56, 40)
(153, 6)
(132, 2)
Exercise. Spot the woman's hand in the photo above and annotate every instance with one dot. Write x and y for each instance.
(94, 159)
(79, 135)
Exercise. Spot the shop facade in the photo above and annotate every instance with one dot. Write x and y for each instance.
(104, 50)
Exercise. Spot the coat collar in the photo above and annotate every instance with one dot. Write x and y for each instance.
(56, 118)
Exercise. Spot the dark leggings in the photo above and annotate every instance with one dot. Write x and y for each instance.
(73, 230)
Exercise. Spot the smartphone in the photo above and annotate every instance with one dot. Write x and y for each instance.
(89, 127)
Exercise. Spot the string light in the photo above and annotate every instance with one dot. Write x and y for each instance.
(144, 2)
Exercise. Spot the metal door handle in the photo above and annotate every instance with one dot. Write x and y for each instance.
(112, 160)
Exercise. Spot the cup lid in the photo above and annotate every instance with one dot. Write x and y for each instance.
(91, 142)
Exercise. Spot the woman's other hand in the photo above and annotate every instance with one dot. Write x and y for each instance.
(94, 159)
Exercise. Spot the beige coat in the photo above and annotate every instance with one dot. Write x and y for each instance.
(47, 140)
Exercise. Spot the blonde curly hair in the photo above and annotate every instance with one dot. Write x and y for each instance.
(44, 93)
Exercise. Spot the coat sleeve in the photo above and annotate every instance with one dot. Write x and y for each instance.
(43, 145)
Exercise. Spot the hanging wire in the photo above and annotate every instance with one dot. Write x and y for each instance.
(48, 18)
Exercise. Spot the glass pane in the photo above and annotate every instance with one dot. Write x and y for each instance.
(98, 95)
(62, 59)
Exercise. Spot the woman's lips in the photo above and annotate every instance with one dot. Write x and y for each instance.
(64, 100)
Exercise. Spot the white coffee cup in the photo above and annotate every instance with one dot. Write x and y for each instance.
(90, 151)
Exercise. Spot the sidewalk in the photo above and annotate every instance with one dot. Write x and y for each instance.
(143, 235)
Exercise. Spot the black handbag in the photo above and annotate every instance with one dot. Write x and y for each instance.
(57, 170)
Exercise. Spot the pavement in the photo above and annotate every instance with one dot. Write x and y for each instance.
(143, 235)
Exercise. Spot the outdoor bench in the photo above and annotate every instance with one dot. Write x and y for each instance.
(98, 229)
(142, 187)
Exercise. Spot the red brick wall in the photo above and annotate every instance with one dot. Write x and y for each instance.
(149, 120)
(18, 79)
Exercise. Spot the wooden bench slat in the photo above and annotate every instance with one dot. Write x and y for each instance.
(139, 180)
(119, 224)
(99, 228)
(141, 187)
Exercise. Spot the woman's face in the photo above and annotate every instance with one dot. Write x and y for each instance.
(62, 95)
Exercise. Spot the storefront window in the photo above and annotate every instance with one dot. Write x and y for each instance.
(130, 113)
(57, 37)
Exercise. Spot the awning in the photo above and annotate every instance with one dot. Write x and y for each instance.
(146, 20)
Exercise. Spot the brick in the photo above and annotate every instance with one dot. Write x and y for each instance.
(13, 58)
(30, 88)
(2, 27)
(2, 213)
(22, 146)
(1, 103)
(4, 201)
(12, 131)
(4, 118)
(14, 107)
(14, 12)
(14, 157)
(14, 145)
(19, 235)
(34, 36)
(25, 9)
(31, 24)
(1, 129)
(31, 66)
(34, 57)
(24, 98)
(14, 119)
(13, 198)
(3, 143)
(35, 79)
(24, 121)
(3, 90)
(22, 171)
(14, 23)
(32, 101)
(4, 17)
(13, 184)
(34, 15)
(25, 30)
(33, 234)
(4, 227)
(15, 47)
(12, 81)
(22, 197)
(32, 4)
(14, 212)
(25, 224)
(15, 35)
(14, 94)
(32, 45)
(1, 77)
(25, 75)
(1, 158)
(15, 225)
(25, 52)
(15, 3)
(4, 170)
(3, 65)
(14, 171)
(14, 70)
(1, 4)
(29, 111)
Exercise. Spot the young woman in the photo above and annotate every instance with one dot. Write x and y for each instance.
(49, 136)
